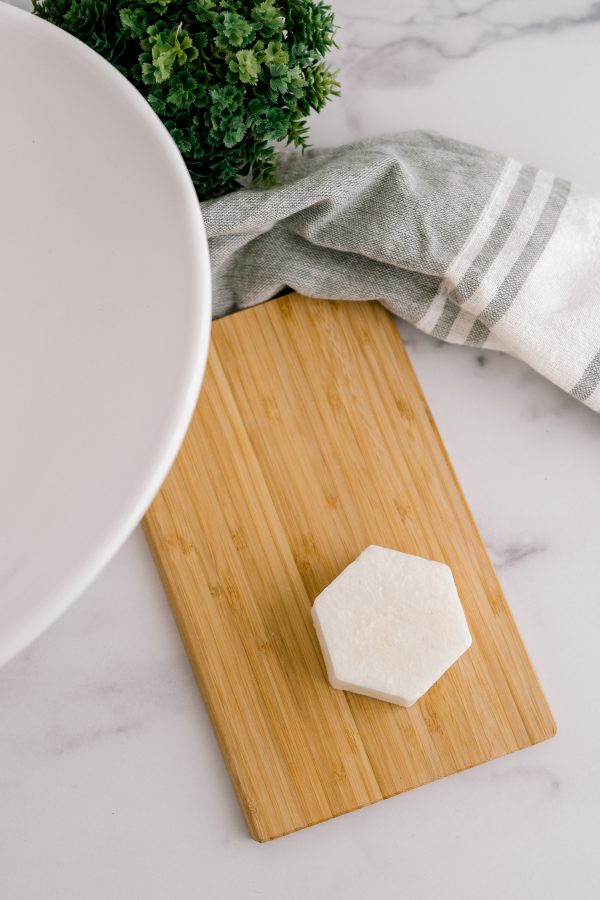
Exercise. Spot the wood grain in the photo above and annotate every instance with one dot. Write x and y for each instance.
(310, 441)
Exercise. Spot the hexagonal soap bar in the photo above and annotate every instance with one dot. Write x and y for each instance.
(390, 625)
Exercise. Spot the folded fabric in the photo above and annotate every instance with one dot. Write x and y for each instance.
(469, 246)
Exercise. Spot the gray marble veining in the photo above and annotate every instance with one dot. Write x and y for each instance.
(386, 43)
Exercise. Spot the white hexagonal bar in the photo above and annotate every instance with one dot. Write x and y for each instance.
(390, 625)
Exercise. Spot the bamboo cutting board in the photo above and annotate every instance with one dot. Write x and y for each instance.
(310, 441)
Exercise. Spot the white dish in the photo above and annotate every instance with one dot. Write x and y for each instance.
(104, 317)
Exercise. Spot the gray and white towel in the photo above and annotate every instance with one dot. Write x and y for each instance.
(469, 246)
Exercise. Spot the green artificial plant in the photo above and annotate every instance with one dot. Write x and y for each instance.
(228, 78)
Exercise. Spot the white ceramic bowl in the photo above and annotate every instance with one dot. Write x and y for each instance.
(104, 316)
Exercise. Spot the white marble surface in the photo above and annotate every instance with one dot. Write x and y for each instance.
(111, 784)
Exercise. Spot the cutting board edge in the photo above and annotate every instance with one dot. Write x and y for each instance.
(390, 796)
(204, 692)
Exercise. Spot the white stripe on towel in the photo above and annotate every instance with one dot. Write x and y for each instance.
(507, 257)
(474, 243)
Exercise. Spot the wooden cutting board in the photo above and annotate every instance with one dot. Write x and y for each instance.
(310, 441)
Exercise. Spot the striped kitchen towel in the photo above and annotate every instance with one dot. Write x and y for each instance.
(467, 245)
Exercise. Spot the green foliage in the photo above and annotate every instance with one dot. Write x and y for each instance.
(227, 77)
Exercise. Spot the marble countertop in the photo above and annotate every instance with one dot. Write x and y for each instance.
(111, 783)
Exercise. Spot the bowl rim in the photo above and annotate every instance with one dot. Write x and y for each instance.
(39, 615)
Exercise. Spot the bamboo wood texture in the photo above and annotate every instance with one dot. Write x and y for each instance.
(310, 441)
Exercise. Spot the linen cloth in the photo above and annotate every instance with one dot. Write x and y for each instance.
(466, 244)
